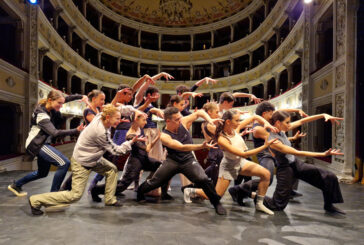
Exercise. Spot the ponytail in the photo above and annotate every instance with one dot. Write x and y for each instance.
(228, 115)
(93, 94)
(52, 95)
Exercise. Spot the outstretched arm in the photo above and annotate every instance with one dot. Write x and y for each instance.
(299, 111)
(279, 146)
(140, 94)
(327, 117)
(251, 97)
(188, 120)
(260, 119)
(176, 145)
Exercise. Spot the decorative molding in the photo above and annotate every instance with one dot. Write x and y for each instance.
(340, 27)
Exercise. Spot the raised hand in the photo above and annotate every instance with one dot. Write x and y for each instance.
(194, 94)
(299, 135)
(139, 138)
(246, 131)
(209, 145)
(166, 75)
(269, 142)
(272, 128)
(210, 80)
(81, 127)
(302, 113)
(149, 80)
(333, 152)
(255, 99)
(333, 119)
(85, 99)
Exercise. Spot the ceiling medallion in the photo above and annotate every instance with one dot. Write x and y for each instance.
(10, 82)
(175, 10)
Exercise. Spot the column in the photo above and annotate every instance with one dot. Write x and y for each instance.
(159, 41)
(192, 41)
(290, 74)
(232, 33)
(84, 7)
(290, 20)
(250, 53)
(83, 85)
(68, 126)
(99, 86)
(139, 38)
(160, 100)
(212, 69)
(191, 72)
(159, 68)
(99, 52)
(69, 34)
(278, 36)
(119, 32)
(118, 65)
(138, 69)
(100, 22)
(266, 49)
(231, 66)
(69, 81)
(265, 89)
(211, 95)
(212, 38)
(55, 67)
(266, 8)
(42, 53)
(83, 48)
(277, 78)
(56, 14)
(250, 23)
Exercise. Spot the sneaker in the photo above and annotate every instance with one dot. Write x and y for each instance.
(118, 203)
(332, 209)
(95, 196)
(35, 211)
(57, 208)
(17, 190)
(260, 207)
(186, 186)
(295, 194)
(187, 195)
(219, 209)
(166, 197)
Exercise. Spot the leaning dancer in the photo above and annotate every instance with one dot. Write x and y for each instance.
(290, 167)
(180, 159)
(93, 142)
(42, 129)
(234, 162)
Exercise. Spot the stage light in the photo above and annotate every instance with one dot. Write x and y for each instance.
(33, 1)
(307, 1)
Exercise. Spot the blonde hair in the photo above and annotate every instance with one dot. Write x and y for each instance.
(52, 95)
(108, 110)
(210, 106)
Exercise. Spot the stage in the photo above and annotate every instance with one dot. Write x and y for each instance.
(173, 222)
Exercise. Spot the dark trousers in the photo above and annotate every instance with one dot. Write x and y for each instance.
(191, 169)
(131, 171)
(286, 175)
(252, 185)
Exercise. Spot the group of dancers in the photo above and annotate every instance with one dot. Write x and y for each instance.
(170, 152)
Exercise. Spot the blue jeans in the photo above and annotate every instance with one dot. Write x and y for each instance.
(48, 155)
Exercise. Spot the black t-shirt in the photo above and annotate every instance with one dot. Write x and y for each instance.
(184, 137)
(86, 112)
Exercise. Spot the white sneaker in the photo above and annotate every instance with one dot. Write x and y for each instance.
(260, 207)
(187, 195)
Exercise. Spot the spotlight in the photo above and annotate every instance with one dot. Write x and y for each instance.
(33, 1)
(307, 1)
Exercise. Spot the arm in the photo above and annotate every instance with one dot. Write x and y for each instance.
(260, 133)
(151, 144)
(299, 111)
(114, 149)
(73, 97)
(144, 106)
(225, 144)
(186, 95)
(140, 94)
(260, 119)
(176, 145)
(188, 120)
(138, 83)
(314, 118)
(251, 97)
(279, 146)
(297, 136)
(90, 117)
(199, 83)
(157, 112)
(162, 74)
(47, 126)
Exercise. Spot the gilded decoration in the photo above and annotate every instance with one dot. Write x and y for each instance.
(176, 13)
(339, 129)
(340, 76)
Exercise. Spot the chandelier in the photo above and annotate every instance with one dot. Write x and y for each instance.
(175, 10)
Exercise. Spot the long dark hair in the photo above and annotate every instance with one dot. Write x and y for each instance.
(279, 116)
(174, 99)
(228, 115)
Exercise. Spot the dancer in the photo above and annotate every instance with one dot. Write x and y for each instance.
(180, 159)
(42, 128)
(93, 142)
(290, 167)
(234, 162)
(137, 161)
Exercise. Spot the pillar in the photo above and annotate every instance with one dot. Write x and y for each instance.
(250, 23)
(99, 53)
(159, 41)
(100, 21)
(118, 65)
(83, 48)
(212, 39)
(265, 89)
(56, 14)
(84, 7)
(138, 69)
(83, 85)
(56, 65)
(231, 66)
(139, 38)
(232, 33)
(290, 74)
(212, 69)
(42, 53)
(191, 72)
(266, 6)
(277, 78)
(119, 32)
(250, 53)
(266, 49)
(69, 34)
(278, 36)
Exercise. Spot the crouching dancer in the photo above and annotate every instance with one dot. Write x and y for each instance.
(87, 157)
(180, 159)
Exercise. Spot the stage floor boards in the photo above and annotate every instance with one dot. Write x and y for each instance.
(303, 222)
